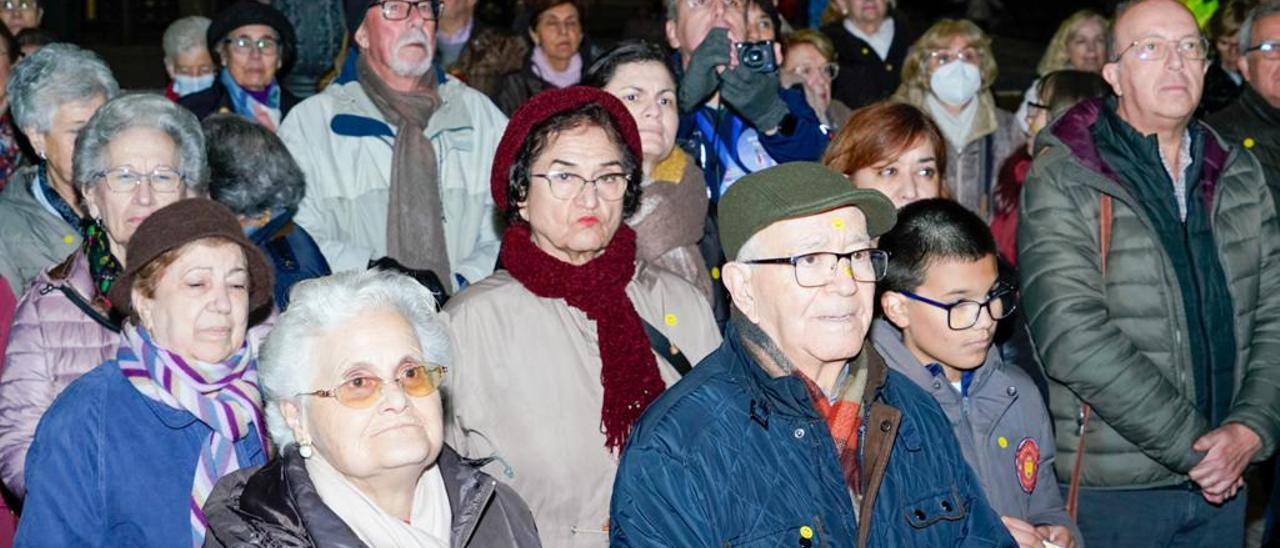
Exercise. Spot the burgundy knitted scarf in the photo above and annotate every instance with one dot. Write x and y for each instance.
(629, 371)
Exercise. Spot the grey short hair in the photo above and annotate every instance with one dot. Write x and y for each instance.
(183, 35)
(53, 76)
(1261, 11)
(141, 110)
(286, 364)
(250, 170)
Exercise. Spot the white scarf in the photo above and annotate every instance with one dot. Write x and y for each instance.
(430, 522)
(955, 127)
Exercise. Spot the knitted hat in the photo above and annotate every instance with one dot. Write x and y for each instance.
(543, 106)
(178, 224)
(791, 191)
(251, 12)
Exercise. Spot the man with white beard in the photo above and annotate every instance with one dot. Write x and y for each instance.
(397, 162)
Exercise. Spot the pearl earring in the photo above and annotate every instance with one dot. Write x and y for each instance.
(306, 450)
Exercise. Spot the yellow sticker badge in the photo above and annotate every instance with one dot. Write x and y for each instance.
(837, 223)
(1003, 442)
(671, 320)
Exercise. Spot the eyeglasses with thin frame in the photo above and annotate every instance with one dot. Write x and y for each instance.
(567, 186)
(939, 57)
(1040, 106)
(10, 5)
(1269, 49)
(244, 45)
(419, 381)
(125, 179)
(818, 269)
(736, 5)
(964, 313)
(828, 71)
(1157, 49)
(399, 10)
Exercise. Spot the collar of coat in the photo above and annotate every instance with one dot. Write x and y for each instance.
(1074, 130)
(1259, 106)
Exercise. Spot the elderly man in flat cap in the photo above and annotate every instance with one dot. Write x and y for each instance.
(397, 161)
(794, 432)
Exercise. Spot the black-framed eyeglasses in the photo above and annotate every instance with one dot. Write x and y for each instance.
(1269, 49)
(818, 269)
(244, 45)
(399, 10)
(567, 186)
(964, 313)
(1040, 106)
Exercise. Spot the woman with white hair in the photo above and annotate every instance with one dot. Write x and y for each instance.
(351, 377)
(948, 74)
(187, 58)
(52, 94)
(136, 155)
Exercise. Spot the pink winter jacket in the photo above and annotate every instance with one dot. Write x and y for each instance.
(53, 342)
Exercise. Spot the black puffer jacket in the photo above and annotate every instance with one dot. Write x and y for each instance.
(277, 506)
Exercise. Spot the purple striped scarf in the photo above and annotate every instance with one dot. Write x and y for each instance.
(224, 396)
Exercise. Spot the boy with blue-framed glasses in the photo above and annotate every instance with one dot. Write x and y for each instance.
(940, 303)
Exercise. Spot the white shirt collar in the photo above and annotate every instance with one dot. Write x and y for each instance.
(880, 40)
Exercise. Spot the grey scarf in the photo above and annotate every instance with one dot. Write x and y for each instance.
(415, 212)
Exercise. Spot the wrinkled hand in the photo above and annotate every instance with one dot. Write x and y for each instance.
(1024, 533)
(701, 76)
(1058, 535)
(1228, 450)
(755, 96)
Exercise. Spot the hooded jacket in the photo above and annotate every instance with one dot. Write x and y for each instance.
(731, 456)
(1003, 428)
(1120, 341)
(277, 505)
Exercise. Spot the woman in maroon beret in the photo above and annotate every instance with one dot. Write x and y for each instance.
(553, 361)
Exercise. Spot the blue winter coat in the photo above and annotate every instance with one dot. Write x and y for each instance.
(294, 255)
(732, 457)
(112, 467)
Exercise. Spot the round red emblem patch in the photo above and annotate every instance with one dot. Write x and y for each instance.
(1027, 462)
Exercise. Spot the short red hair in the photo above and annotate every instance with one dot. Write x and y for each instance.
(878, 133)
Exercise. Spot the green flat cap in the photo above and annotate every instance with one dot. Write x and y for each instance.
(791, 191)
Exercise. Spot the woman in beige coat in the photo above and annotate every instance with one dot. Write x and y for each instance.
(554, 363)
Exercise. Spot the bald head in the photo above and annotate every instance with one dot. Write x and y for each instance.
(1156, 64)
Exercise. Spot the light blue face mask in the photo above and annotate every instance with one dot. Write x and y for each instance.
(185, 85)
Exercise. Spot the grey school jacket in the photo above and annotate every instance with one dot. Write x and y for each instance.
(1003, 428)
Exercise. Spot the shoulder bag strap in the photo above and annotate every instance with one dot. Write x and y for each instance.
(1104, 233)
(667, 349)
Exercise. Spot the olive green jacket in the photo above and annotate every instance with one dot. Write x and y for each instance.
(1117, 341)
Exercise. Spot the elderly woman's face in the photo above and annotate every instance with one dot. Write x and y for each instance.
(201, 302)
(909, 177)
(558, 32)
(191, 62)
(252, 54)
(574, 223)
(957, 48)
(650, 94)
(58, 145)
(141, 151)
(398, 430)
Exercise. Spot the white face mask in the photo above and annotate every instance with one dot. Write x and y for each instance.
(956, 82)
(186, 85)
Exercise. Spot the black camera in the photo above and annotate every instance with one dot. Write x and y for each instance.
(757, 56)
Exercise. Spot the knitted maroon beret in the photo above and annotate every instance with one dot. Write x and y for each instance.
(543, 106)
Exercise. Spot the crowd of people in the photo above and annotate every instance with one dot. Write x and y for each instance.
(375, 273)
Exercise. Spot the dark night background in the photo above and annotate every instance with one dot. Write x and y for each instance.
(127, 32)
